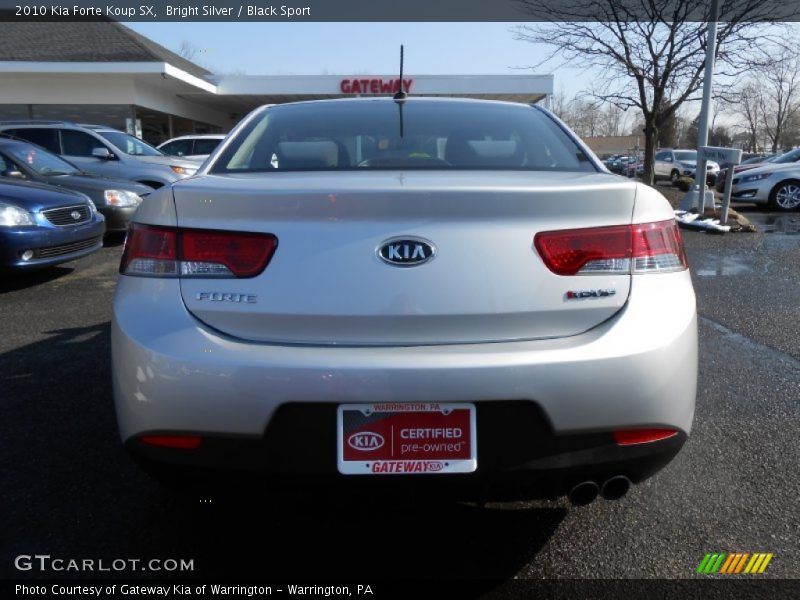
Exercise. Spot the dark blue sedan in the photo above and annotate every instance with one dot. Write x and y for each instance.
(41, 225)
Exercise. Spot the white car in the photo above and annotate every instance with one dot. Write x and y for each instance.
(438, 291)
(193, 147)
(674, 164)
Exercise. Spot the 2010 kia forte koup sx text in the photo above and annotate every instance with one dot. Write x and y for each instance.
(414, 291)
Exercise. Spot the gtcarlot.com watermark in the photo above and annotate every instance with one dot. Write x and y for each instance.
(48, 563)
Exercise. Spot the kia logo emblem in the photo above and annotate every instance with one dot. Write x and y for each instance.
(365, 441)
(406, 252)
(75, 215)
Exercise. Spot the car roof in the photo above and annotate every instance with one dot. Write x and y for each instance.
(196, 136)
(45, 124)
(409, 99)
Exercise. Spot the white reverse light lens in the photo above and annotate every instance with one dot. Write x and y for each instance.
(13, 216)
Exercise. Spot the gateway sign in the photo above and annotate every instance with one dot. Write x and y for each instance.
(374, 86)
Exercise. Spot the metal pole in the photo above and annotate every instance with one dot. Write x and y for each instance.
(702, 135)
(726, 198)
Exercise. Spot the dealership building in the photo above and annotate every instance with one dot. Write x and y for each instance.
(104, 72)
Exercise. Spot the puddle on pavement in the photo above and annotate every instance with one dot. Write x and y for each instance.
(718, 265)
(785, 224)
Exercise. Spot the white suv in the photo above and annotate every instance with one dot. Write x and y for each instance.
(674, 164)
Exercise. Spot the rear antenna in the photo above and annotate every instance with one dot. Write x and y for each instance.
(401, 95)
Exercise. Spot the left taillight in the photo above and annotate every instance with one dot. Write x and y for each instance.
(639, 248)
(155, 251)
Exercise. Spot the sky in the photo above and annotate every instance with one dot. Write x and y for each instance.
(356, 48)
(271, 48)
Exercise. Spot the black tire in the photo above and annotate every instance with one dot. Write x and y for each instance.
(673, 177)
(785, 196)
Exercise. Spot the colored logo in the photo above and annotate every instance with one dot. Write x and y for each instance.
(734, 563)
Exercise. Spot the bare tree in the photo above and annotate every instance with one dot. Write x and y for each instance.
(188, 50)
(580, 114)
(611, 120)
(747, 102)
(648, 55)
(559, 104)
(791, 133)
(779, 96)
(584, 116)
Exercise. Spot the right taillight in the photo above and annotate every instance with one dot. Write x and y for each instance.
(639, 248)
(154, 251)
(657, 247)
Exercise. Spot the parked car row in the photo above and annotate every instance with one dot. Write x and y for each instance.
(103, 151)
(619, 164)
(116, 199)
(63, 186)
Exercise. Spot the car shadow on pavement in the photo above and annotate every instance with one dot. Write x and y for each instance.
(113, 239)
(364, 536)
(69, 490)
(12, 281)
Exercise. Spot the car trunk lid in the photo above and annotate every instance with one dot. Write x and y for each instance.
(327, 284)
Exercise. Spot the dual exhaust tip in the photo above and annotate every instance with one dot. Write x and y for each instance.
(612, 489)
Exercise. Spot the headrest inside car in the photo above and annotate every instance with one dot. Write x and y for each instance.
(493, 148)
(308, 155)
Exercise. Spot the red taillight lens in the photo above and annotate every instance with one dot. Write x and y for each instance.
(150, 249)
(628, 437)
(245, 254)
(569, 251)
(640, 248)
(658, 247)
(174, 252)
(185, 442)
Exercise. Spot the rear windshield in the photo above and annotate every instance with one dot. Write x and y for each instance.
(323, 136)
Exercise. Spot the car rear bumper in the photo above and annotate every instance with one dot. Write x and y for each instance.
(50, 245)
(518, 456)
(172, 374)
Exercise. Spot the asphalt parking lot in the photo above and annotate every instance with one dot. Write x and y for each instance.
(67, 488)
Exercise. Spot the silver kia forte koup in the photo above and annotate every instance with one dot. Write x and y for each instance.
(439, 292)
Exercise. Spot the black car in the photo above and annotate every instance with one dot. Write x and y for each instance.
(116, 199)
(41, 225)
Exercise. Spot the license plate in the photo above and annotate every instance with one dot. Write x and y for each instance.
(406, 439)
